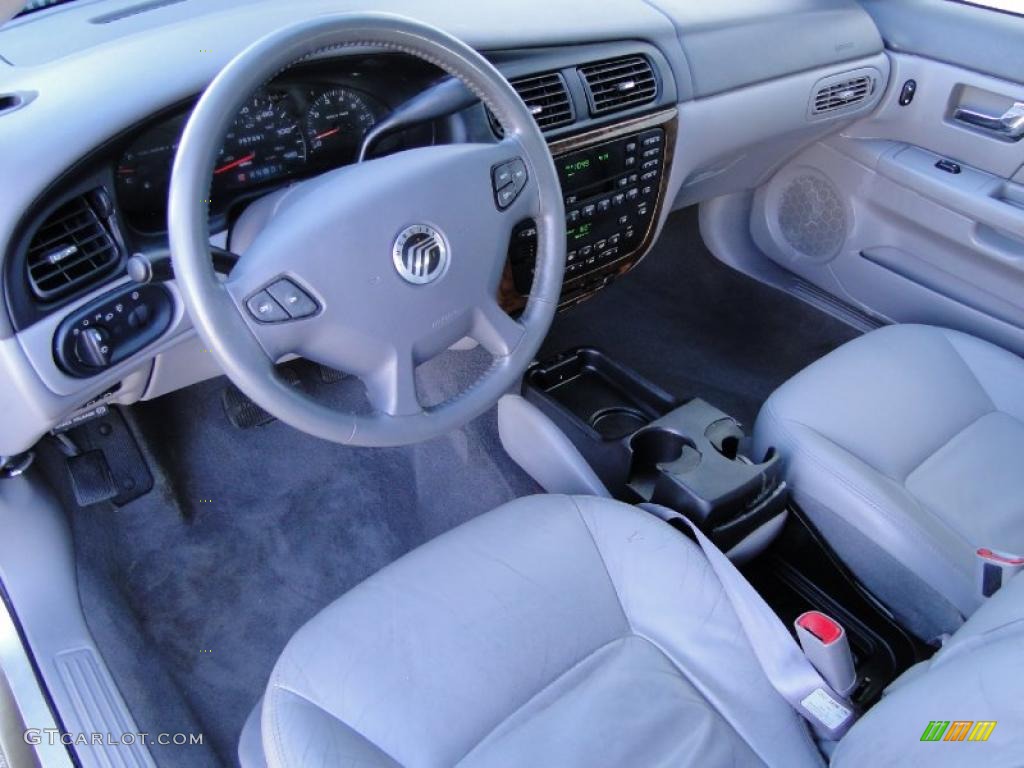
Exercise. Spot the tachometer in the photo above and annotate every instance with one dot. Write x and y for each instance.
(336, 122)
(264, 143)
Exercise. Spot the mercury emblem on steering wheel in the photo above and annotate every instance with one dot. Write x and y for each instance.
(420, 254)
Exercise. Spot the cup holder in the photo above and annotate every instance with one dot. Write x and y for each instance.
(616, 423)
(654, 447)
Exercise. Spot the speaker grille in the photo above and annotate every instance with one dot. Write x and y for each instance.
(811, 217)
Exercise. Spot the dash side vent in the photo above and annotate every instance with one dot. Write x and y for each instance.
(616, 84)
(842, 92)
(72, 248)
(547, 98)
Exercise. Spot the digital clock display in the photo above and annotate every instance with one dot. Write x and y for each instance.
(582, 169)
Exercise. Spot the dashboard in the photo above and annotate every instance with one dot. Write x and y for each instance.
(108, 175)
(306, 122)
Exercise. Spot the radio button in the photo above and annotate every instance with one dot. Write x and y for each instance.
(633, 178)
(586, 250)
(624, 219)
(572, 216)
(652, 152)
(604, 204)
(630, 161)
(588, 211)
(618, 199)
(633, 193)
(651, 140)
(631, 146)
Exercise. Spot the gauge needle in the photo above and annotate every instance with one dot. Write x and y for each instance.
(235, 163)
(325, 134)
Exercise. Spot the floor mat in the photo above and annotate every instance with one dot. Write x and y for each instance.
(260, 529)
(698, 328)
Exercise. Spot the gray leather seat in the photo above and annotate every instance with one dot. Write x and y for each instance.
(578, 631)
(554, 630)
(905, 448)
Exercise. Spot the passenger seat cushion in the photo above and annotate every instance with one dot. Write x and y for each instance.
(573, 626)
(976, 676)
(911, 434)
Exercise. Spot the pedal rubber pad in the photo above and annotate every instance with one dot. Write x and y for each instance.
(242, 412)
(110, 436)
(330, 375)
(91, 478)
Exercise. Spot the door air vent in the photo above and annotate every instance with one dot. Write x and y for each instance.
(71, 249)
(841, 92)
(547, 99)
(617, 84)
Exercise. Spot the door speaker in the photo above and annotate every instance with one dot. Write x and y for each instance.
(811, 216)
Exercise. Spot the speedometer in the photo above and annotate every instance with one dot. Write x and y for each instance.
(264, 143)
(336, 122)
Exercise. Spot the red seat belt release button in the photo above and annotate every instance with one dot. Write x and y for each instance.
(995, 568)
(824, 643)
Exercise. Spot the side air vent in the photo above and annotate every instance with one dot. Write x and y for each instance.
(842, 92)
(547, 99)
(70, 250)
(617, 84)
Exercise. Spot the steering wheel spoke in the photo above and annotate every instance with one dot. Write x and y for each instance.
(496, 331)
(391, 386)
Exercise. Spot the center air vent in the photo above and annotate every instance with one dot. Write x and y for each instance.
(618, 84)
(71, 249)
(547, 99)
(841, 92)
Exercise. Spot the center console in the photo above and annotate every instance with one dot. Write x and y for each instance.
(647, 447)
(613, 180)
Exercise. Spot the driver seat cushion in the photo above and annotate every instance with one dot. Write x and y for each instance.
(903, 447)
(554, 630)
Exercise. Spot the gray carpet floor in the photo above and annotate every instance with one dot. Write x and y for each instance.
(193, 590)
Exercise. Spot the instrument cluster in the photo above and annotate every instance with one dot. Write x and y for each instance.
(284, 131)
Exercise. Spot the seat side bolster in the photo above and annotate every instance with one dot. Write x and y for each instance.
(825, 477)
(673, 600)
(316, 738)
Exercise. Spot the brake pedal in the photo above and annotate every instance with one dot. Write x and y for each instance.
(242, 412)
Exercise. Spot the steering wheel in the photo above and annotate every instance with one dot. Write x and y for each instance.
(372, 268)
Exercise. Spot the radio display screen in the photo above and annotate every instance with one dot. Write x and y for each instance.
(579, 170)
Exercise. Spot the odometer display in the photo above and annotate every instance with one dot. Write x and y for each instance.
(264, 143)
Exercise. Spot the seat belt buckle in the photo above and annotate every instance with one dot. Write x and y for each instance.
(825, 645)
(995, 568)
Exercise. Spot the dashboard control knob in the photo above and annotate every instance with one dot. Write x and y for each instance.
(92, 347)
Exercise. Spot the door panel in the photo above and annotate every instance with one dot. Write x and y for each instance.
(912, 214)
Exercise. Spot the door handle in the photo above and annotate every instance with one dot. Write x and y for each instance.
(1008, 126)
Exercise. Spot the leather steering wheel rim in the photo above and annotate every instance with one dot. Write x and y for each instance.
(247, 351)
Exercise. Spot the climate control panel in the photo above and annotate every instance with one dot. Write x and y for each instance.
(112, 328)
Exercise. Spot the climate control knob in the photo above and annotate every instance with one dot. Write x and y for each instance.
(92, 347)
